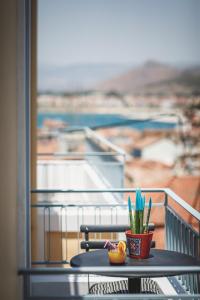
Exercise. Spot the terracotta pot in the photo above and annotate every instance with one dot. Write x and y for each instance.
(138, 244)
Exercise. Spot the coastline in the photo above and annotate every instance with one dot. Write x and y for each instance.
(97, 119)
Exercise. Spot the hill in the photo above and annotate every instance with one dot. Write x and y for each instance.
(155, 78)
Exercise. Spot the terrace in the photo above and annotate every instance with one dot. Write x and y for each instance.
(79, 188)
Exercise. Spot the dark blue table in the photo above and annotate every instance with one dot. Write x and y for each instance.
(157, 258)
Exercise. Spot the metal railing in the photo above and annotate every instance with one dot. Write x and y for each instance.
(179, 235)
(126, 271)
(54, 218)
(183, 237)
(66, 219)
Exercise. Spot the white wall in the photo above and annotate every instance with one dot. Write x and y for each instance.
(164, 151)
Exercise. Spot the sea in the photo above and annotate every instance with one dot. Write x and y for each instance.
(102, 120)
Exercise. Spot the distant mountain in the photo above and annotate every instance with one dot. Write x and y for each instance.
(76, 77)
(151, 78)
(155, 78)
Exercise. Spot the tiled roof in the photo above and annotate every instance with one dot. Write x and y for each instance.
(147, 173)
(47, 146)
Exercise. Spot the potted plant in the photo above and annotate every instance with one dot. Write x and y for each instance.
(138, 237)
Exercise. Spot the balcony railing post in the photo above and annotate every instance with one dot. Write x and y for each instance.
(166, 222)
(26, 287)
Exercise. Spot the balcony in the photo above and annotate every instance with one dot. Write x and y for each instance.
(58, 229)
(90, 199)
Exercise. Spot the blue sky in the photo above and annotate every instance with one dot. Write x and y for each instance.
(118, 31)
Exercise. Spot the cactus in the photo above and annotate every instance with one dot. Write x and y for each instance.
(137, 223)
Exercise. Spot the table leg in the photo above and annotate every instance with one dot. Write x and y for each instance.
(134, 285)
